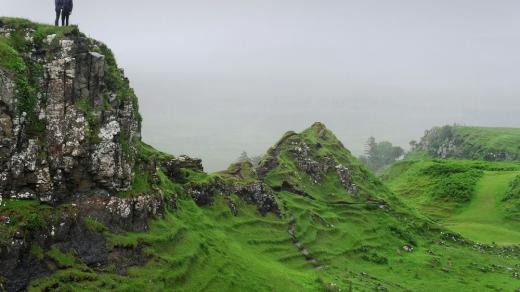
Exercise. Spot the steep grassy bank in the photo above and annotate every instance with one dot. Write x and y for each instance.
(484, 218)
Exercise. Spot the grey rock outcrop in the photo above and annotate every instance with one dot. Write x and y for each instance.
(80, 130)
(258, 194)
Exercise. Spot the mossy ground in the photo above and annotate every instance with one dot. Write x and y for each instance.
(31, 215)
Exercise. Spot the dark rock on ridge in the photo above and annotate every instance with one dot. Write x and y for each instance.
(173, 167)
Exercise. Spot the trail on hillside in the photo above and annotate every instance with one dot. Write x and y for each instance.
(483, 219)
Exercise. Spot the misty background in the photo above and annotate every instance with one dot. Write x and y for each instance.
(218, 77)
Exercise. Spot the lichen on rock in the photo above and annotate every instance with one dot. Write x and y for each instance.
(63, 130)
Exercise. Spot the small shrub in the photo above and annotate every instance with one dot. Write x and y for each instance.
(35, 221)
(375, 258)
(444, 169)
(61, 259)
(404, 235)
(94, 226)
(457, 187)
(37, 251)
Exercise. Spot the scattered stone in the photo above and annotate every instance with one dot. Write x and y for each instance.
(49, 39)
(4, 219)
(408, 248)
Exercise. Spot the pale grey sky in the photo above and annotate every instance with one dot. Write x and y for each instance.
(218, 77)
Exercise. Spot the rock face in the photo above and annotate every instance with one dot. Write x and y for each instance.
(68, 231)
(68, 120)
(307, 159)
(122, 214)
(69, 135)
(255, 192)
(259, 194)
(173, 167)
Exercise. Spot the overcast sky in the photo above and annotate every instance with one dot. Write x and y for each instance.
(218, 77)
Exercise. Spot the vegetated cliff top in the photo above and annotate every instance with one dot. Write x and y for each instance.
(475, 143)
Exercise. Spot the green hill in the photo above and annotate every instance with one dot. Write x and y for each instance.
(338, 228)
(474, 143)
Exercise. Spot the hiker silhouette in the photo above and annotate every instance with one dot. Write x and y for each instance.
(63, 8)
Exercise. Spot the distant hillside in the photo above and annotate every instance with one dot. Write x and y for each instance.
(474, 143)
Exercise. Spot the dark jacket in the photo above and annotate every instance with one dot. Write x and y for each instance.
(59, 4)
(67, 6)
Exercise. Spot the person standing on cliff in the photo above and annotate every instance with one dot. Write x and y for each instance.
(66, 11)
(63, 7)
(59, 7)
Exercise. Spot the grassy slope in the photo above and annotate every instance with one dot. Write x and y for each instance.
(353, 245)
(482, 217)
(202, 250)
(209, 250)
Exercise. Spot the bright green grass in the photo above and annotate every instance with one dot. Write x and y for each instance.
(206, 250)
(483, 219)
(430, 185)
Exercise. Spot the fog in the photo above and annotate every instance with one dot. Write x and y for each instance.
(218, 77)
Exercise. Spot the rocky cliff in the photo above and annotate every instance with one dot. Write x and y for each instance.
(69, 121)
(69, 140)
(73, 168)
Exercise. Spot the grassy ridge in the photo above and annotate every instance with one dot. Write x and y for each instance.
(475, 143)
(505, 139)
